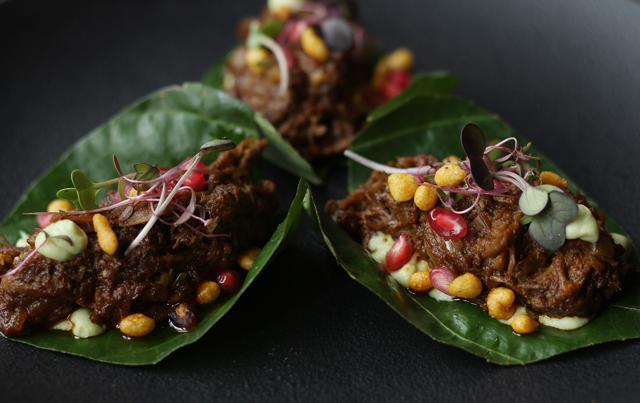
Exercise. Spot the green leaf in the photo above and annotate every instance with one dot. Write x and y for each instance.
(548, 227)
(146, 172)
(431, 124)
(533, 200)
(87, 192)
(70, 194)
(214, 77)
(438, 82)
(164, 127)
(281, 153)
(272, 28)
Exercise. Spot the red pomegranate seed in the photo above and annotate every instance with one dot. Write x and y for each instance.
(397, 82)
(195, 181)
(399, 254)
(448, 224)
(44, 220)
(440, 278)
(229, 281)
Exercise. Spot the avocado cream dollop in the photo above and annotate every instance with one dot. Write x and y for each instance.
(584, 227)
(61, 241)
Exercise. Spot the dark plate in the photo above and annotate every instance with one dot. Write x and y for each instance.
(564, 73)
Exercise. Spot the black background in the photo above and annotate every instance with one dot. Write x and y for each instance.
(563, 72)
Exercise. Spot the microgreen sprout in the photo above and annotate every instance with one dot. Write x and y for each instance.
(152, 185)
(547, 209)
(258, 38)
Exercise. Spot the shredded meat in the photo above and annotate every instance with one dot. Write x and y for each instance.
(576, 280)
(322, 109)
(164, 270)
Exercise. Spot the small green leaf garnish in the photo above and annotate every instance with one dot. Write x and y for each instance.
(217, 146)
(526, 220)
(548, 227)
(86, 190)
(532, 201)
(146, 172)
(272, 28)
(68, 194)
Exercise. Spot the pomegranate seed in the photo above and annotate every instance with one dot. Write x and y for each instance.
(196, 181)
(44, 220)
(399, 254)
(440, 278)
(229, 281)
(397, 82)
(448, 224)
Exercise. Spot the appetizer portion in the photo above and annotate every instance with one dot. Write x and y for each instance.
(164, 244)
(304, 66)
(493, 229)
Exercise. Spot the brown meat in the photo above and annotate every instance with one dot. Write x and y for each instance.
(324, 106)
(164, 270)
(576, 280)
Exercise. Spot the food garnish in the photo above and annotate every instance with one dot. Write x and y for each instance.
(457, 198)
(304, 66)
(548, 210)
(149, 184)
(85, 281)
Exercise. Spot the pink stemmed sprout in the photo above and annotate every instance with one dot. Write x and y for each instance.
(507, 181)
(160, 197)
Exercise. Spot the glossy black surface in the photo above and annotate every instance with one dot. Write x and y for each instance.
(563, 73)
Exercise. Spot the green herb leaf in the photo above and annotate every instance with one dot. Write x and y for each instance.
(433, 83)
(146, 172)
(429, 124)
(164, 127)
(87, 192)
(70, 194)
(281, 153)
(548, 228)
(533, 200)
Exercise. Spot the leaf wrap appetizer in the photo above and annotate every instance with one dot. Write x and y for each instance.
(85, 272)
(434, 230)
(305, 67)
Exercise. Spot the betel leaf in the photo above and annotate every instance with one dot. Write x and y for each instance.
(430, 124)
(112, 348)
(164, 127)
(437, 82)
(548, 227)
(281, 153)
(288, 158)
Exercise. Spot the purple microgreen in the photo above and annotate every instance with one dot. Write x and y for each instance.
(163, 205)
(188, 212)
(513, 178)
(474, 144)
(376, 166)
